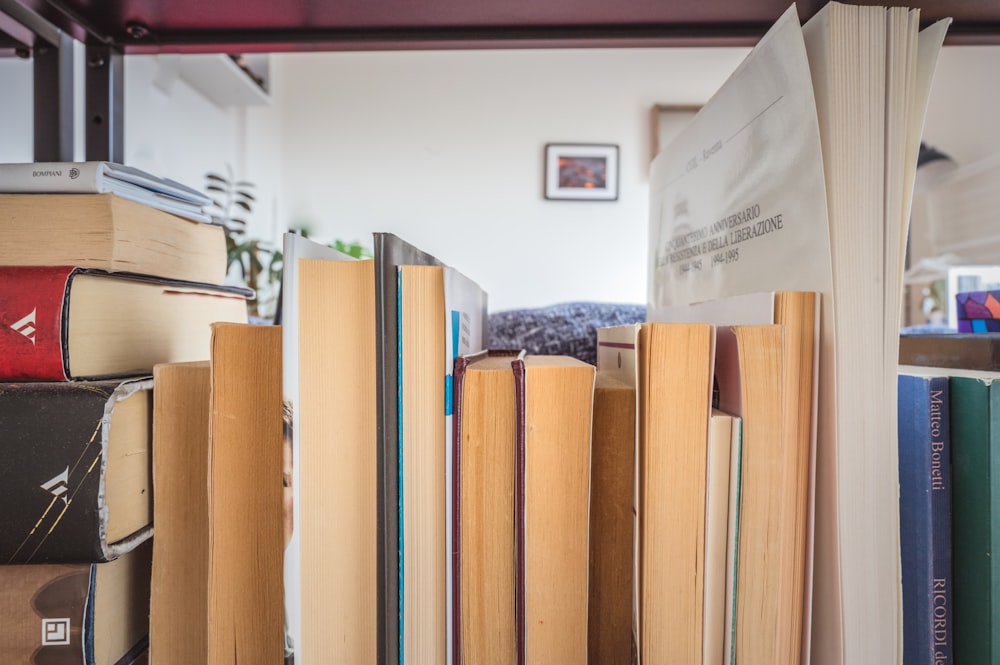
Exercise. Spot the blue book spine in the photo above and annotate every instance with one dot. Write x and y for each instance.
(925, 519)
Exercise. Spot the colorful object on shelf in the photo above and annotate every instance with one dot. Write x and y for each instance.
(978, 311)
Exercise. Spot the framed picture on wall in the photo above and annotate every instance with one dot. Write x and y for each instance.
(667, 122)
(581, 171)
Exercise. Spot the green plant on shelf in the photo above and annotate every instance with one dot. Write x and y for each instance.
(355, 249)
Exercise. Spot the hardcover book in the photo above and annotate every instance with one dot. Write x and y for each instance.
(111, 233)
(975, 465)
(925, 486)
(973, 432)
(961, 350)
(64, 322)
(77, 614)
(483, 491)
(76, 471)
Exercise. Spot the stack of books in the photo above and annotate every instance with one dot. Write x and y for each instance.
(95, 289)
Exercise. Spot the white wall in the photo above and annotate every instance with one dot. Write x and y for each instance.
(173, 130)
(16, 125)
(962, 113)
(445, 149)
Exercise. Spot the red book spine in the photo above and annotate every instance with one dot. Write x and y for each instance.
(32, 301)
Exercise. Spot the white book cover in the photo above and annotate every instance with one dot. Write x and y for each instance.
(466, 329)
(295, 247)
(96, 177)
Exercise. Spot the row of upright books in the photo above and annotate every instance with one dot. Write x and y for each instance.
(949, 424)
(506, 507)
(104, 272)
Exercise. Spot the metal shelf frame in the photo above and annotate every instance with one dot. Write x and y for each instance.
(25, 33)
(51, 32)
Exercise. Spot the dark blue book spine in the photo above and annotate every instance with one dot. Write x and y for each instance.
(925, 519)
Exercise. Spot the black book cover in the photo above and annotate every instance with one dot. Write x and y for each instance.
(54, 450)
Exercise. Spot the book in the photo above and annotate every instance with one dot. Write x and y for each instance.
(77, 614)
(390, 251)
(732, 546)
(925, 486)
(111, 233)
(786, 478)
(722, 494)
(769, 604)
(960, 350)
(178, 611)
(216, 586)
(76, 472)
(467, 328)
(432, 302)
(554, 410)
(422, 519)
(329, 353)
(484, 481)
(63, 322)
(783, 181)
(97, 177)
(671, 365)
(974, 412)
(612, 490)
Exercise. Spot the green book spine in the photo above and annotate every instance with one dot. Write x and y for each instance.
(975, 432)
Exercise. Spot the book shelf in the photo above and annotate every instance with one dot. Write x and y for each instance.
(45, 31)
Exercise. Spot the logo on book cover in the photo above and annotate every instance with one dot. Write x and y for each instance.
(74, 173)
(58, 485)
(26, 326)
(55, 631)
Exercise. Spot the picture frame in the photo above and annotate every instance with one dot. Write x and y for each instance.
(667, 121)
(581, 171)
